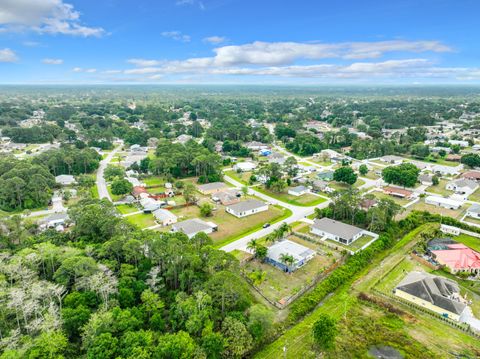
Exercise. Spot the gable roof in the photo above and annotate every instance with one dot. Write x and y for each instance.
(474, 208)
(212, 186)
(247, 205)
(192, 226)
(339, 229)
(436, 290)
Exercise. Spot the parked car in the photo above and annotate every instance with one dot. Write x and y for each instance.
(266, 225)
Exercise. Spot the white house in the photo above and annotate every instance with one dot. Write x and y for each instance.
(246, 208)
(393, 160)
(65, 180)
(57, 220)
(164, 217)
(256, 146)
(443, 202)
(447, 170)
(474, 211)
(462, 186)
(455, 231)
(298, 191)
(150, 205)
(244, 166)
(337, 231)
(426, 179)
(193, 226)
(459, 143)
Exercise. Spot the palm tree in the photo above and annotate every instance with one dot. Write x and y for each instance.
(252, 245)
(287, 260)
(271, 238)
(285, 228)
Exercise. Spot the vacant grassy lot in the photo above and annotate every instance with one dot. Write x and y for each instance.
(127, 208)
(142, 220)
(472, 220)
(306, 200)
(440, 188)
(422, 206)
(469, 241)
(342, 186)
(242, 177)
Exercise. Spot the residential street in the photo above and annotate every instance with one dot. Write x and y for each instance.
(101, 183)
(298, 213)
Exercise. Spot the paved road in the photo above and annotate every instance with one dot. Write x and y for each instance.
(101, 183)
(298, 213)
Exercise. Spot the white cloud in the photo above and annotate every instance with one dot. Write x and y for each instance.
(44, 16)
(7, 55)
(283, 53)
(215, 39)
(200, 4)
(80, 69)
(176, 35)
(52, 61)
(144, 62)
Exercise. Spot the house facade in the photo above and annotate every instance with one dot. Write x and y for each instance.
(246, 208)
(336, 231)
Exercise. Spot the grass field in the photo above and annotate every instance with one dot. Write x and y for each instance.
(153, 181)
(114, 196)
(422, 206)
(126, 208)
(469, 241)
(475, 196)
(306, 200)
(142, 220)
(356, 245)
(342, 186)
(242, 177)
(440, 188)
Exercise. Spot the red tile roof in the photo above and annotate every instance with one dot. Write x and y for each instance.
(458, 257)
(475, 175)
(398, 191)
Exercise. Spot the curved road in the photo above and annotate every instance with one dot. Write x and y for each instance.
(298, 213)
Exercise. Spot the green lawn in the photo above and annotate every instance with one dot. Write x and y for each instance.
(153, 181)
(398, 200)
(306, 200)
(242, 177)
(126, 208)
(339, 186)
(469, 241)
(422, 206)
(114, 196)
(475, 196)
(356, 245)
(142, 220)
(440, 188)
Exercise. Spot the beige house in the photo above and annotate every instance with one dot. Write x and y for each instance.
(438, 294)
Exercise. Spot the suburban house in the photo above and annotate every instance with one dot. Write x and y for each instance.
(392, 160)
(319, 185)
(472, 175)
(193, 226)
(276, 157)
(438, 294)
(447, 170)
(398, 192)
(474, 211)
(457, 257)
(65, 180)
(247, 208)
(150, 205)
(227, 197)
(337, 231)
(298, 191)
(164, 217)
(460, 143)
(325, 176)
(426, 180)
(244, 166)
(454, 231)
(277, 253)
(209, 188)
(462, 186)
(453, 157)
(56, 220)
(256, 146)
(443, 202)
(183, 139)
(137, 190)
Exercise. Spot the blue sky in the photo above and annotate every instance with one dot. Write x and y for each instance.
(239, 41)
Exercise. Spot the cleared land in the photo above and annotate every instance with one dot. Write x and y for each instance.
(126, 208)
(475, 196)
(440, 188)
(242, 177)
(142, 220)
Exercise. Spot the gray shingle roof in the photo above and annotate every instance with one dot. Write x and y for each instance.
(212, 186)
(340, 229)
(475, 208)
(296, 250)
(191, 226)
(247, 205)
(433, 289)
